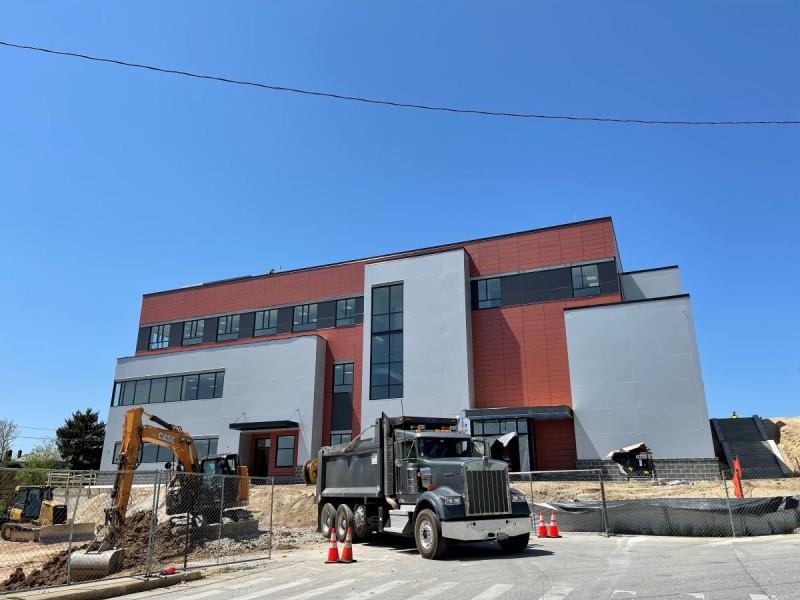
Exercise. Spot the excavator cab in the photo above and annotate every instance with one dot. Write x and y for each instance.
(205, 494)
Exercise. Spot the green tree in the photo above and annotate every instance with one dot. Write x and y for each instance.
(80, 440)
(43, 458)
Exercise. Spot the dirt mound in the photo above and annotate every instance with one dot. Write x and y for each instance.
(789, 436)
(52, 572)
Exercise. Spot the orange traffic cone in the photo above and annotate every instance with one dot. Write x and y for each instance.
(542, 525)
(553, 526)
(347, 551)
(333, 551)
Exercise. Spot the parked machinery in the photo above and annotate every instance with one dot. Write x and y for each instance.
(35, 517)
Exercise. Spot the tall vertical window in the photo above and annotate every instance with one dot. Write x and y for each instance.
(285, 452)
(159, 337)
(386, 358)
(266, 322)
(489, 293)
(346, 312)
(305, 317)
(585, 281)
(193, 332)
(228, 328)
(343, 377)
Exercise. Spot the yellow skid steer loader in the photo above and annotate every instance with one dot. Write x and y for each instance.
(35, 517)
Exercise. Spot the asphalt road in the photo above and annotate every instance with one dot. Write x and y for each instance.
(575, 567)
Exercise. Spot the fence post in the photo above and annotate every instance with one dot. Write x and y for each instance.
(221, 508)
(71, 532)
(148, 569)
(186, 538)
(727, 500)
(604, 510)
(271, 510)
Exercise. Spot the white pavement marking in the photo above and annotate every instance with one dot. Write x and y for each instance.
(698, 596)
(273, 588)
(433, 592)
(377, 590)
(761, 597)
(205, 594)
(557, 592)
(248, 583)
(494, 592)
(320, 591)
(629, 592)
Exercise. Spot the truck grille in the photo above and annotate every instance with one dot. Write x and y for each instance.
(486, 490)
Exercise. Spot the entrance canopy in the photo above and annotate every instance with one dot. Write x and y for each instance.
(256, 425)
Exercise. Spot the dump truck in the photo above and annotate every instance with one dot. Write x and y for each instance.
(195, 489)
(417, 476)
(34, 516)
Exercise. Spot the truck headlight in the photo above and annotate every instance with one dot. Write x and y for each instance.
(518, 498)
(451, 500)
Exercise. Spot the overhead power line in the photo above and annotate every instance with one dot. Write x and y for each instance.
(391, 103)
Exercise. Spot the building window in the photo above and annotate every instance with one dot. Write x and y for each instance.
(341, 437)
(343, 377)
(193, 332)
(386, 358)
(489, 293)
(346, 312)
(305, 317)
(194, 386)
(228, 328)
(149, 453)
(585, 281)
(266, 322)
(159, 337)
(285, 453)
(205, 447)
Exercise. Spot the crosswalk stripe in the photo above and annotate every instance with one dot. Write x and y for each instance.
(761, 597)
(557, 592)
(248, 583)
(274, 588)
(494, 592)
(320, 591)
(205, 594)
(377, 590)
(433, 592)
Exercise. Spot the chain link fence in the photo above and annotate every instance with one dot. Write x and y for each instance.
(172, 519)
(586, 501)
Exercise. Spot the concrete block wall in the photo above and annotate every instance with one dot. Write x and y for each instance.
(666, 468)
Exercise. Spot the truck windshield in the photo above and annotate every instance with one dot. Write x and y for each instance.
(444, 448)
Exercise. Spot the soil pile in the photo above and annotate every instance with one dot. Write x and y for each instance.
(52, 572)
(789, 444)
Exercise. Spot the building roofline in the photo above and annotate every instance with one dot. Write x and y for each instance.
(401, 254)
(649, 270)
(626, 302)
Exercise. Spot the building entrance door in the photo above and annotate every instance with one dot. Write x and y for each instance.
(261, 457)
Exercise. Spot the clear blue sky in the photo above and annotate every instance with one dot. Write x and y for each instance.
(115, 182)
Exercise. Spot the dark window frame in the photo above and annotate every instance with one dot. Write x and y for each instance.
(391, 336)
(348, 306)
(338, 437)
(195, 330)
(126, 389)
(159, 337)
(490, 292)
(580, 277)
(266, 314)
(278, 449)
(228, 328)
(341, 375)
(307, 320)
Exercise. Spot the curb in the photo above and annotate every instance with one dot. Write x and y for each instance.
(106, 589)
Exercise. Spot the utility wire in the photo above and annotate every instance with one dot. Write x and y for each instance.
(487, 113)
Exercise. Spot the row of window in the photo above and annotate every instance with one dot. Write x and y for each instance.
(176, 388)
(305, 318)
(153, 453)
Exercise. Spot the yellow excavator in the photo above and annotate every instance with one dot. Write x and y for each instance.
(198, 495)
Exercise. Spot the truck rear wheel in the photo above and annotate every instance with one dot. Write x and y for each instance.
(327, 520)
(344, 520)
(428, 535)
(360, 523)
(518, 543)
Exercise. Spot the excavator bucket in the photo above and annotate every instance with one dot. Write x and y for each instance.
(88, 564)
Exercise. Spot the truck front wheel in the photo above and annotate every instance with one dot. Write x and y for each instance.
(428, 535)
(518, 543)
(327, 518)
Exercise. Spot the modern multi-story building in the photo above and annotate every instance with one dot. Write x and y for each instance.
(540, 332)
